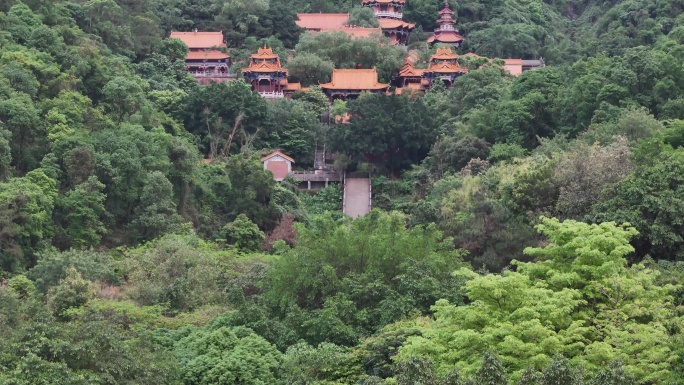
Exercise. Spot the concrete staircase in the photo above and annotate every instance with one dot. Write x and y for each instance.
(357, 197)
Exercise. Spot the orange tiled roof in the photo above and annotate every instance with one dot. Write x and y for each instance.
(354, 79)
(275, 153)
(292, 86)
(444, 54)
(200, 39)
(446, 68)
(408, 70)
(264, 67)
(321, 21)
(208, 55)
(394, 24)
(445, 37)
(265, 53)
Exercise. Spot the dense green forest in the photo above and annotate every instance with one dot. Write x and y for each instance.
(527, 230)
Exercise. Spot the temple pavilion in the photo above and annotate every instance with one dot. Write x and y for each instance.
(267, 76)
(446, 33)
(443, 67)
(205, 60)
(348, 84)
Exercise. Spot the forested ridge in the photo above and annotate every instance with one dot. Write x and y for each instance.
(526, 230)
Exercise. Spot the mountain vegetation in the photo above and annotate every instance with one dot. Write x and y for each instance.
(527, 230)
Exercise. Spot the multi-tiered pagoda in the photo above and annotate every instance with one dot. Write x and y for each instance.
(389, 15)
(446, 33)
(267, 76)
(205, 59)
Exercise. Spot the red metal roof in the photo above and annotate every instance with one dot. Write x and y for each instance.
(354, 79)
(195, 40)
(320, 21)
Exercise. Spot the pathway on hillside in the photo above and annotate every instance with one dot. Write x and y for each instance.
(357, 197)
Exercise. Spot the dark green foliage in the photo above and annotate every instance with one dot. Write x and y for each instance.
(244, 234)
(390, 130)
(350, 279)
(651, 200)
(363, 17)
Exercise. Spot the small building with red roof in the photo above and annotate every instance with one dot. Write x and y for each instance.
(279, 164)
(350, 83)
(205, 59)
(446, 33)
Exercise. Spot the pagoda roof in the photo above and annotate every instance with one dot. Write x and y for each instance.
(265, 53)
(322, 21)
(408, 70)
(354, 79)
(206, 55)
(264, 67)
(446, 68)
(196, 40)
(394, 24)
(444, 54)
(277, 153)
(364, 2)
(446, 9)
(445, 37)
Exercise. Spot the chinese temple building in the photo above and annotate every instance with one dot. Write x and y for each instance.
(443, 66)
(411, 77)
(389, 15)
(446, 33)
(350, 83)
(267, 76)
(205, 60)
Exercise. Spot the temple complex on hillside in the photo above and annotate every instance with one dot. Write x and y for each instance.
(443, 66)
(348, 84)
(205, 60)
(446, 33)
(388, 13)
(267, 76)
